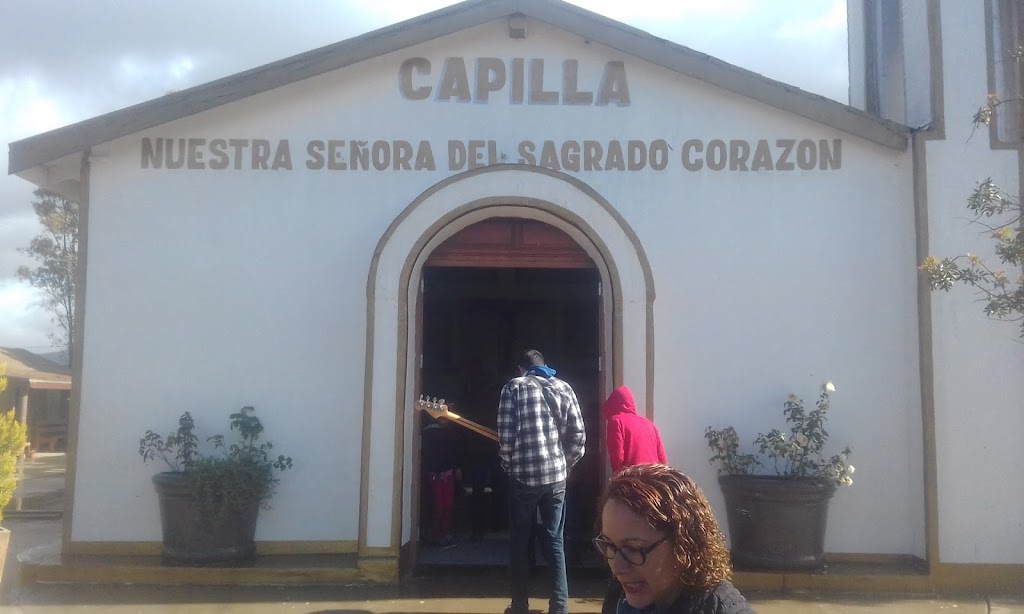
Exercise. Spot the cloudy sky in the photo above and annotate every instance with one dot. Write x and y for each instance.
(68, 60)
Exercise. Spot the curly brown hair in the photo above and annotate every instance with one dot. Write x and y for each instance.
(672, 503)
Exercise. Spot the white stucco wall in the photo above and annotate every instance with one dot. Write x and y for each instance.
(212, 289)
(205, 295)
(777, 286)
(979, 391)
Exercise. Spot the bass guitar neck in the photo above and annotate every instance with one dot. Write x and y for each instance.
(439, 409)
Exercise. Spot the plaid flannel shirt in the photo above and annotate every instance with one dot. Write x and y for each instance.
(537, 444)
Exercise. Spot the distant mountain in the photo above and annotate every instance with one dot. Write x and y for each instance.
(58, 356)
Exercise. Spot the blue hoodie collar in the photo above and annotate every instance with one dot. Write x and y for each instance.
(541, 371)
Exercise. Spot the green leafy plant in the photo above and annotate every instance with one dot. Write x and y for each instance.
(230, 478)
(798, 453)
(13, 437)
(1000, 215)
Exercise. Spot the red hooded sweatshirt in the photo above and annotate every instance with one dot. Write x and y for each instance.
(632, 439)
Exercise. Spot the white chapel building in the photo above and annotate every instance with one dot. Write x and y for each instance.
(330, 236)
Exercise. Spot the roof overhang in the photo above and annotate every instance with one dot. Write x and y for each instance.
(25, 369)
(37, 384)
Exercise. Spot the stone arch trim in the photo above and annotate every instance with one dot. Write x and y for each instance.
(438, 212)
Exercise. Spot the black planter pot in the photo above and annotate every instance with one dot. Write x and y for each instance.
(777, 523)
(191, 539)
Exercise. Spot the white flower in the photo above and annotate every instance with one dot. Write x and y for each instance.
(851, 469)
(829, 387)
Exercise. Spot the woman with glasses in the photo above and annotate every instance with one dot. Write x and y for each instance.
(664, 546)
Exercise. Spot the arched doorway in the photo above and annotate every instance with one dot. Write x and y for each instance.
(389, 447)
(494, 288)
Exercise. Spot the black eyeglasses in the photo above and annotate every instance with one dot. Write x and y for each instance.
(633, 556)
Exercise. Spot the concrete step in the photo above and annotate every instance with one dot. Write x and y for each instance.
(46, 564)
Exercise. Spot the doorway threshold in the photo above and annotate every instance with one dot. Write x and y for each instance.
(492, 552)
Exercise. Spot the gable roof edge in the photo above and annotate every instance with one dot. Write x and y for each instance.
(48, 146)
(701, 66)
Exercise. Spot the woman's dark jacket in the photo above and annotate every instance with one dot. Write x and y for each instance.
(725, 599)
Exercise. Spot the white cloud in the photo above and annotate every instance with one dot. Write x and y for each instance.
(818, 28)
(661, 11)
(385, 13)
(158, 76)
(23, 322)
(25, 109)
(181, 68)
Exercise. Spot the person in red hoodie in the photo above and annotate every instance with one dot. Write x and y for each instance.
(632, 439)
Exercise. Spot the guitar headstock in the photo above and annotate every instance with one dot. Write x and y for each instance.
(437, 408)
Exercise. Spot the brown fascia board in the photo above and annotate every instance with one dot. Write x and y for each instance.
(39, 384)
(48, 146)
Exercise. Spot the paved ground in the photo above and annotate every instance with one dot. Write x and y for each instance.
(477, 593)
(41, 488)
(472, 593)
(355, 600)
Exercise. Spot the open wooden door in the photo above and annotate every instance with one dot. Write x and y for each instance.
(493, 289)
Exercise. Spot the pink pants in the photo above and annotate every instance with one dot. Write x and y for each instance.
(442, 487)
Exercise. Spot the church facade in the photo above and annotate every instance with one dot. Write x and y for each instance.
(331, 236)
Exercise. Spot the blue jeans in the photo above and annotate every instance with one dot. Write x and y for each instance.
(524, 502)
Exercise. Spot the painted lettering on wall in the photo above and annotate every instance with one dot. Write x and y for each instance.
(574, 156)
(455, 81)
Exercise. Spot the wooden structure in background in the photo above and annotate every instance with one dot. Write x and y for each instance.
(39, 384)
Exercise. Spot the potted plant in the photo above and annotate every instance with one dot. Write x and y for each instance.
(13, 436)
(209, 502)
(777, 520)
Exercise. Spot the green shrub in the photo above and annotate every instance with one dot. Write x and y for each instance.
(231, 478)
(797, 454)
(13, 437)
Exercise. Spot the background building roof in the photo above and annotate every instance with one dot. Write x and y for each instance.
(38, 372)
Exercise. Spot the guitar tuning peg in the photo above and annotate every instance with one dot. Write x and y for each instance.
(442, 401)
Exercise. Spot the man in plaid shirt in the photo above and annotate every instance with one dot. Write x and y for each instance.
(541, 436)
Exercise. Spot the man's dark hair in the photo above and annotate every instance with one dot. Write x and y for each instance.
(530, 358)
